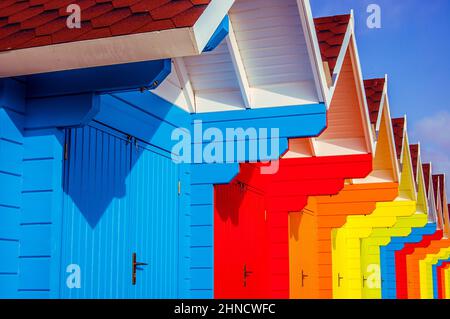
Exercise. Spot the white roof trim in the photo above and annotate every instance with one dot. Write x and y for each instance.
(239, 68)
(406, 145)
(357, 64)
(312, 43)
(382, 103)
(116, 50)
(208, 22)
(386, 108)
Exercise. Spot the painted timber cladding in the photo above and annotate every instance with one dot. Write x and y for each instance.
(11, 172)
(388, 258)
(100, 234)
(286, 191)
(148, 119)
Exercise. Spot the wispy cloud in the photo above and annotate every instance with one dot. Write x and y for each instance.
(434, 134)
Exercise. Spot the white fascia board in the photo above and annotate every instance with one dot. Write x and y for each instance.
(312, 43)
(207, 24)
(165, 44)
(383, 102)
(98, 52)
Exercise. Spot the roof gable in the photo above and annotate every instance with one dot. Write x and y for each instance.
(385, 161)
(374, 93)
(414, 149)
(426, 173)
(398, 125)
(438, 201)
(330, 34)
(407, 187)
(422, 195)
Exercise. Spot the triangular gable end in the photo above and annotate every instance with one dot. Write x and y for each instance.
(375, 89)
(438, 201)
(422, 203)
(331, 34)
(385, 167)
(265, 61)
(348, 130)
(407, 187)
(427, 173)
(443, 195)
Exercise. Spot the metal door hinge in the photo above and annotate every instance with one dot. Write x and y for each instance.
(179, 187)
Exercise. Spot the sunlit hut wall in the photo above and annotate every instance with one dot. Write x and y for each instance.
(347, 248)
(253, 211)
(126, 130)
(436, 253)
(418, 281)
(381, 237)
(425, 204)
(437, 271)
(373, 270)
(403, 272)
(311, 230)
(296, 85)
(428, 273)
(84, 143)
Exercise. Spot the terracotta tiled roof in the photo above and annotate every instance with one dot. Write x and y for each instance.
(398, 126)
(442, 186)
(32, 23)
(426, 173)
(414, 149)
(374, 93)
(436, 187)
(331, 33)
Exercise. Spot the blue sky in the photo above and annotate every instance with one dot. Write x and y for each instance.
(413, 48)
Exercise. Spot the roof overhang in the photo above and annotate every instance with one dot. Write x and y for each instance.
(139, 47)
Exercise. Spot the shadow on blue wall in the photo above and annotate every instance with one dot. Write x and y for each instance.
(99, 159)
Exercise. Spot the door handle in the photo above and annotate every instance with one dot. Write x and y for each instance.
(135, 265)
(339, 279)
(304, 276)
(246, 274)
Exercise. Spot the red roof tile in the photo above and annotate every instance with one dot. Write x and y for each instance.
(32, 23)
(426, 173)
(436, 187)
(398, 126)
(374, 92)
(414, 149)
(330, 34)
(442, 187)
